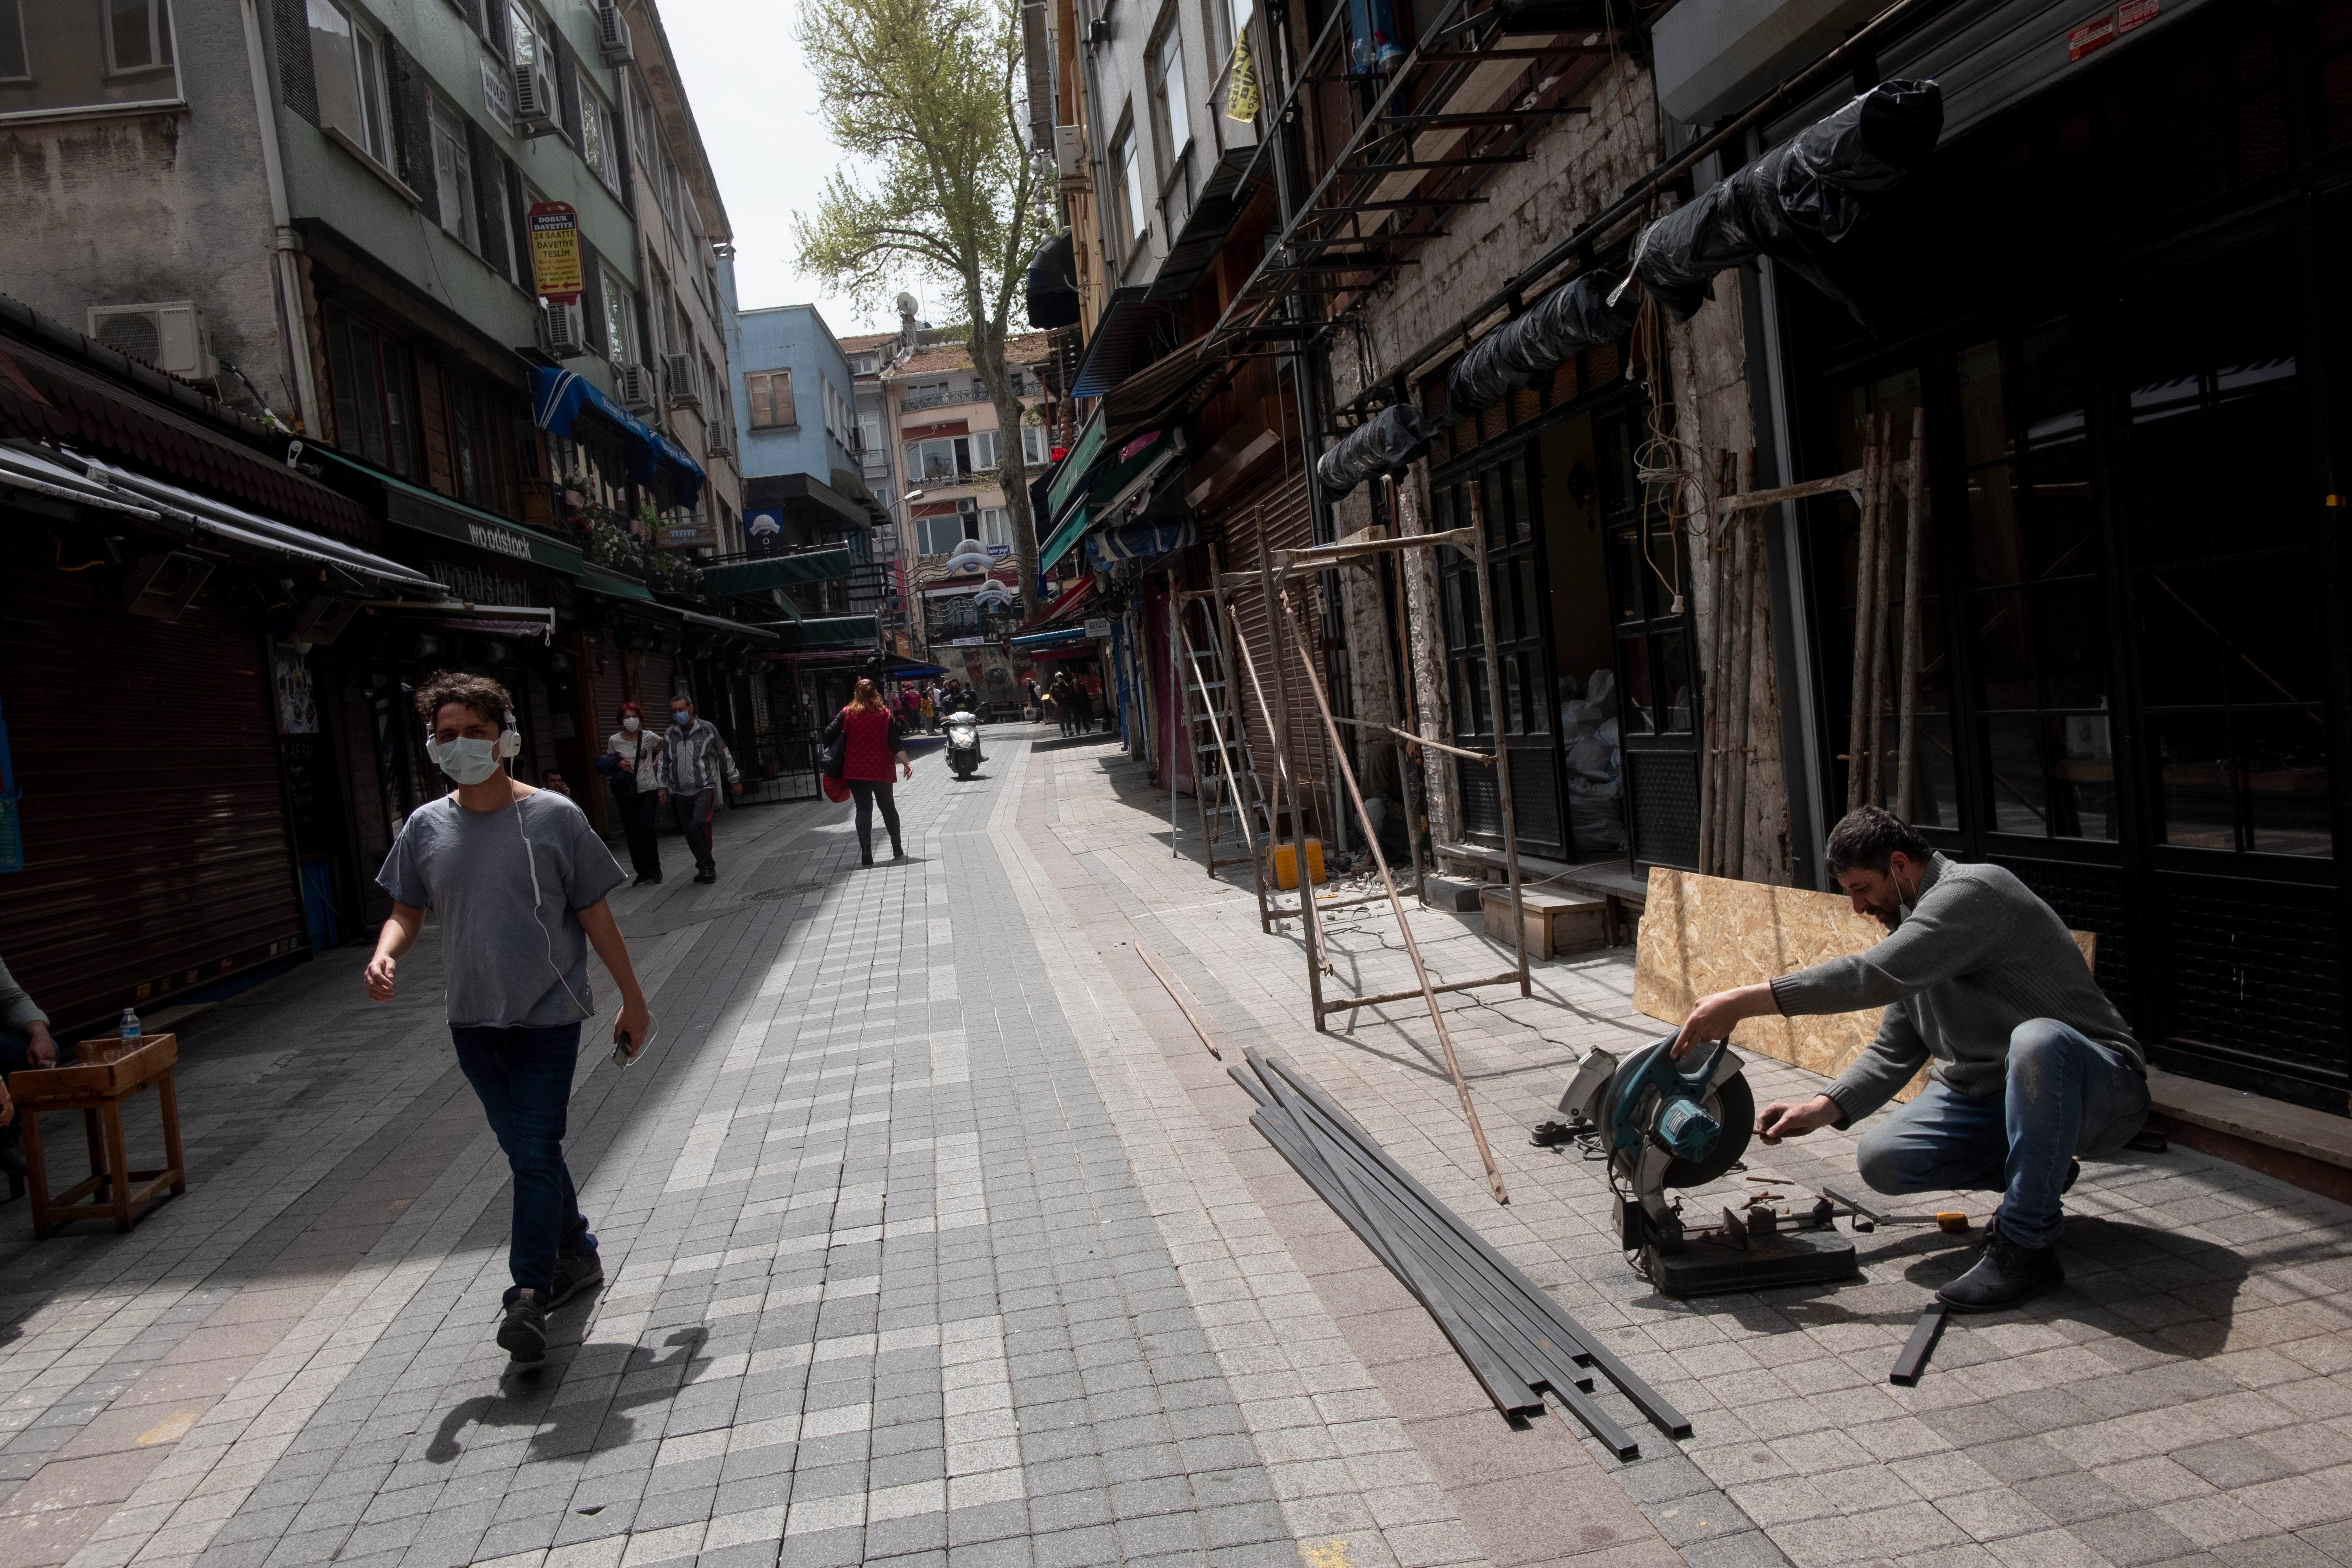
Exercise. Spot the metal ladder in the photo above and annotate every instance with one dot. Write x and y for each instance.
(1226, 785)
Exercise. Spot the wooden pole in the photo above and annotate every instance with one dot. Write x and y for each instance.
(1710, 775)
(1404, 929)
(1225, 761)
(1856, 761)
(1502, 729)
(1879, 612)
(1239, 718)
(1915, 506)
(1408, 752)
(1309, 927)
(1735, 717)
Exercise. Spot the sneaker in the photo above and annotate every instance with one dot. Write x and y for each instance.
(2007, 1275)
(522, 1333)
(574, 1272)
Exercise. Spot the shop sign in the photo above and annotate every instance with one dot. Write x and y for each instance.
(555, 251)
(969, 642)
(2095, 33)
(691, 534)
(999, 552)
(1098, 628)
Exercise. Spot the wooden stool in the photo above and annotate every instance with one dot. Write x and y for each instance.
(97, 1089)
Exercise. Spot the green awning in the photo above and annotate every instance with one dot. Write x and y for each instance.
(1073, 529)
(831, 631)
(616, 584)
(413, 506)
(1076, 466)
(832, 564)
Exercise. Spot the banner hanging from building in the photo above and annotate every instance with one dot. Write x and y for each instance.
(555, 251)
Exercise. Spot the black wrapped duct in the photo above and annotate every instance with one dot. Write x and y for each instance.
(1385, 443)
(1794, 203)
(1527, 347)
(1053, 284)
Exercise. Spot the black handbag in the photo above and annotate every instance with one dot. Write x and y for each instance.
(833, 755)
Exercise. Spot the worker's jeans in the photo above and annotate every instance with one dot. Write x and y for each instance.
(523, 1077)
(2066, 1096)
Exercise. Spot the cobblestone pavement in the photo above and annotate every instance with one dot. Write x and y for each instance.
(933, 1236)
(2186, 1400)
(915, 1252)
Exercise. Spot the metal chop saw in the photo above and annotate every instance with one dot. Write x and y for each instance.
(1668, 1124)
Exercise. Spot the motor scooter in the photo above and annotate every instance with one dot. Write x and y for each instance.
(963, 743)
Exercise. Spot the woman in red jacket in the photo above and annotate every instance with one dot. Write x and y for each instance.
(872, 738)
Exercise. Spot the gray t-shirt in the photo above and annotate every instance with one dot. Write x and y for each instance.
(515, 956)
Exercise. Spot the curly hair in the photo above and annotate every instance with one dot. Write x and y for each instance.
(486, 697)
(1868, 838)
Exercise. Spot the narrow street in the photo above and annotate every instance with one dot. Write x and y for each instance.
(933, 1235)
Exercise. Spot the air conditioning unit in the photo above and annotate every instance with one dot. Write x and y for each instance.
(612, 35)
(638, 393)
(683, 392)
(537, 110)
(719, 451)
(567, 335)
(1070, 151)
(172, 337)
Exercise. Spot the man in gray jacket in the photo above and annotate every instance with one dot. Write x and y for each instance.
(2033, 1066)
(693, 760)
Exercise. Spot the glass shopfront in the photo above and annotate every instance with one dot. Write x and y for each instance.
(2134, 674)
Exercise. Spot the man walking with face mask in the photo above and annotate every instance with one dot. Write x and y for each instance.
(694, 758)
(519, 879)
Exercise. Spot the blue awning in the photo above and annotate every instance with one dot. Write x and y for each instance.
(1053, 638)
(558, 398)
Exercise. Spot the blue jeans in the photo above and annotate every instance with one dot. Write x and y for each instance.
(2066, 1096)
(523, 1077)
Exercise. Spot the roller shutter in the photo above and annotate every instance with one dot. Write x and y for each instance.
(157, 856)
(1276, 516)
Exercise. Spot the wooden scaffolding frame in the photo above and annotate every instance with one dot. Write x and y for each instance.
(1273, 577)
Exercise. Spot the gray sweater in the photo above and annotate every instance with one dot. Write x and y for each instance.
(17, 1009)
(1977, 955)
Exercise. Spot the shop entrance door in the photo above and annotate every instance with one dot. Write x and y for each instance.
(1516, 586)
(1649, 598)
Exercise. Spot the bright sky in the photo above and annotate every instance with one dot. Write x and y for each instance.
(756, 105)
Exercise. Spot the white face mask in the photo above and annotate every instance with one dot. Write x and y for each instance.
(630, 723)
(465, 759)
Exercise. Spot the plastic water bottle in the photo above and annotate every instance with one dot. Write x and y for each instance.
(129, 1029)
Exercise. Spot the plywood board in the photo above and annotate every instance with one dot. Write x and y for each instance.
(1704, 934)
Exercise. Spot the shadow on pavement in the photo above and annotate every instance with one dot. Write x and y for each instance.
(580, 1427)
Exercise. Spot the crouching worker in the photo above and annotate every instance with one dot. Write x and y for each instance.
(2033, 1066)
(519, 878)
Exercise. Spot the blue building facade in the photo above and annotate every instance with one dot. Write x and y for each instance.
(795, 426)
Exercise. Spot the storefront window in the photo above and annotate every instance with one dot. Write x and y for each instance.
(2218, 524)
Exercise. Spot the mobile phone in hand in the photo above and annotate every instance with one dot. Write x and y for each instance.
(621, 1054)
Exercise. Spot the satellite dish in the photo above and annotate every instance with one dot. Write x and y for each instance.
(907, 304)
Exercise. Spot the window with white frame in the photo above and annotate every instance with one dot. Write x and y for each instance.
(620, 322)
(530, 33)
(347, 63)
(600, 138)
(453, 175)
(1170, 115)
(987, 449)
(870, 432)
(55, 55)
(1037, 447)
(641, 124)
(995, 525)
(1129, 210)
(943, 460)
(939, 534)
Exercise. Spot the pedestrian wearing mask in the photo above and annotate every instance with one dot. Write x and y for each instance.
(518, 879)
(693, 760)
(872, 739)
(634, 791)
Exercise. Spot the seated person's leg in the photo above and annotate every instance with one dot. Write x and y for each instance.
(16, 1051)
(2067, 1096)
(1941, 1141)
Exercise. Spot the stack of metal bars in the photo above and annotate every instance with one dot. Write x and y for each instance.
(1515, 1339)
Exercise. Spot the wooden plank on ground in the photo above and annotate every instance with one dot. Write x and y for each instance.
(1704, 934)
